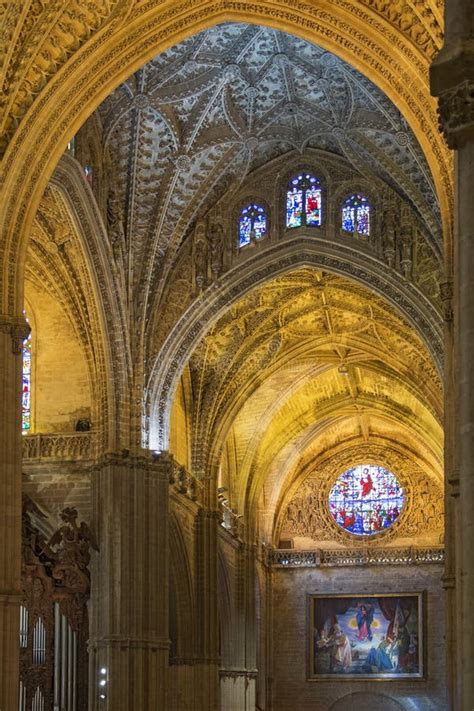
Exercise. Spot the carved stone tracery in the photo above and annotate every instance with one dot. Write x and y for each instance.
(307, 513)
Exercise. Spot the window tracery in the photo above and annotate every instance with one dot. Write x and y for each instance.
(303, 201)
(366, 500)
(252, 224)
(356, 215)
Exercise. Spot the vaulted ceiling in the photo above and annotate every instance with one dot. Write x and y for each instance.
(300, 366)
(192, 123)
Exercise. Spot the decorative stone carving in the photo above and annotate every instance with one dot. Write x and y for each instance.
(307, 514)
(216, 247)
(18, 329)
(456, 113)
(53, 572)
(73, 446)
(347, 557)
(446, 293)
(406, 236)
(183, 482)
(71, 544)
(200, 251)
(115, 225)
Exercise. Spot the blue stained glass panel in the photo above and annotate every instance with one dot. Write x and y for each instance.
(366, 500)
(245, 229)
(252, 224)
(348, 219)
(356, 215)
(294, 207)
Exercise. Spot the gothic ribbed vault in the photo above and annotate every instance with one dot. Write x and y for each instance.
(307, 367)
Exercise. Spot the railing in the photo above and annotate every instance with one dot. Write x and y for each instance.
(230, 520)
(185, 483)
(73, 446)
(343, 558)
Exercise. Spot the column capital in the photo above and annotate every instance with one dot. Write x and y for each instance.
(452, 81)
(17, 328)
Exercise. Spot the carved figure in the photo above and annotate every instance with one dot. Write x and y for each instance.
(216, 243)
(115, 224)
(72, 553)
(200, 255)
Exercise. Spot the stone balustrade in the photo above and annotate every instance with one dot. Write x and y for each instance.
(64, 446)
(185, 483)
(230, 520)
(361, 556)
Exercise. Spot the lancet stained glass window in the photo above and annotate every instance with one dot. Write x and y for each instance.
(366, 499)
(303, 201)
(26, 386)
(356, 215)
(252, 224)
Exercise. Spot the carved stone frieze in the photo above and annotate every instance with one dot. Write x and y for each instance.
(307, 514)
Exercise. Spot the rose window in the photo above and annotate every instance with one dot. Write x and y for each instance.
(366, 499)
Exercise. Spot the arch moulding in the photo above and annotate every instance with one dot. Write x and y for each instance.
(50, 104)
(167, 365)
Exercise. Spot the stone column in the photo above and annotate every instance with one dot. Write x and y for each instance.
(451, 495)
(129, 642)
(207, 642)
(238, 685)
(12, 333)
(452, 80)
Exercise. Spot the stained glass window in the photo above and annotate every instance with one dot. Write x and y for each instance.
(252, 224)
(26, 386)
(366, 499)
(303, 201)
(356, 215)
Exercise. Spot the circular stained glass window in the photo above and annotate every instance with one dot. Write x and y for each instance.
(366, 500)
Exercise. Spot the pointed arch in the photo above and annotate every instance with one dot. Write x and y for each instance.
(168, 364)
(40, 128)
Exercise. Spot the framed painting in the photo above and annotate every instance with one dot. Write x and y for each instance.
(366, 636)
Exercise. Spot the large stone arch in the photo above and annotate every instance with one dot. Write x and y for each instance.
(49, 106)
(279, 258)
(110, 322)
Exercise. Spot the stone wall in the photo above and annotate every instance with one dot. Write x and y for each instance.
(291, 691)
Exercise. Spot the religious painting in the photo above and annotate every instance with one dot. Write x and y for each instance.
(366, 636)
